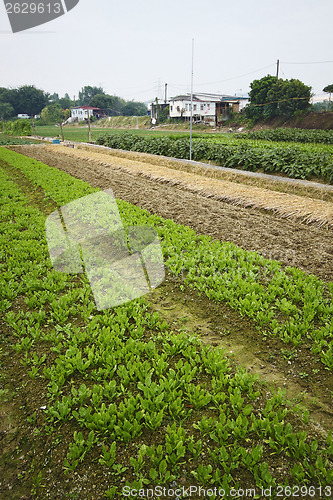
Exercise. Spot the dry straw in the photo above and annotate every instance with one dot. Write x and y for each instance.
(194, 178)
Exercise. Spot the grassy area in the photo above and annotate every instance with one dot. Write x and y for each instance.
(80, 133)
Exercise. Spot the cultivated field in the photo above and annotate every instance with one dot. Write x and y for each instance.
(222, 378)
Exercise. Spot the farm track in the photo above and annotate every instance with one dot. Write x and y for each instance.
(292, 242)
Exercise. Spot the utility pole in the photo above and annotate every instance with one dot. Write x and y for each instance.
(165, 93)
(277, 69)
(191, 121)
(89, 130)
(62, 131)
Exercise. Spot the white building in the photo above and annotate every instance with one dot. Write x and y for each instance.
(211, 108)
(81, 112)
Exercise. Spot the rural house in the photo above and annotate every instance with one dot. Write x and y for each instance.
(210, 108)
(79, 113)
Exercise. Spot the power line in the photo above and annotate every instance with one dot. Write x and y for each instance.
(312, 62)
(280, 100)
(235, 77)
(182, 85)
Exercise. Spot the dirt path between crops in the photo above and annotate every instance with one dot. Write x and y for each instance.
(291, 242)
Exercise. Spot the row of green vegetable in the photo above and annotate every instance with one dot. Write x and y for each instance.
(286, 303)
(6, 140)
(122, 380)
(303, 161)
(290, 135)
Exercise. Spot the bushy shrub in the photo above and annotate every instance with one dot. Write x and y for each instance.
(18, 127)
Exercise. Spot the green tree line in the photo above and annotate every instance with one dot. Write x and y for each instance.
(32, 101)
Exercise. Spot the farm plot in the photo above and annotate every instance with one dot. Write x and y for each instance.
(299, 161)
(124, 399)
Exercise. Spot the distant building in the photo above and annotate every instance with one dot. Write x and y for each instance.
(209, 108)
(156, 108)
(79, 113)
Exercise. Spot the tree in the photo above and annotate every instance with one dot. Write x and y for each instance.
(6, 110)
(133, 108)
(329, 90)
(110, 104)
(18, 128)
(54, 97)
(7, 97)
(52, 114)
(102, 101)
(270, 97)
(117, 104)
(320, 106)
(28, 99)
(65, 103)
(87, 93)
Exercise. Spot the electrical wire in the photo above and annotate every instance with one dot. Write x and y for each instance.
(185, 86)
(313, 62)
(280, 100)
(235, 77)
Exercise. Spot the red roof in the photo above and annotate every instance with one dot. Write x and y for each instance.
(87, 107)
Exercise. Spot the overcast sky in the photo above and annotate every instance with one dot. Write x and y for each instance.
(133, 47)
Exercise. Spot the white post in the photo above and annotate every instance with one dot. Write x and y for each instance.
(191, 120)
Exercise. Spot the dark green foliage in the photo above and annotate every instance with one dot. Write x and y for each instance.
(87, 93)
(329, 90)
(65, 103)
(28, 99)
(270, 97)
(320, 107)
(6, 110)
(133, 108)
(11, 141)
(7, 103)
(52, 114)
(19, 127)
(288, 159)
(110, 104)
(113, 105)
(291, 135)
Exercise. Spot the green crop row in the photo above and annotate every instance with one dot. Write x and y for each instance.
(290, 135)
(286, 303)
(146, 405)
(6, 140)
(291, 160)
